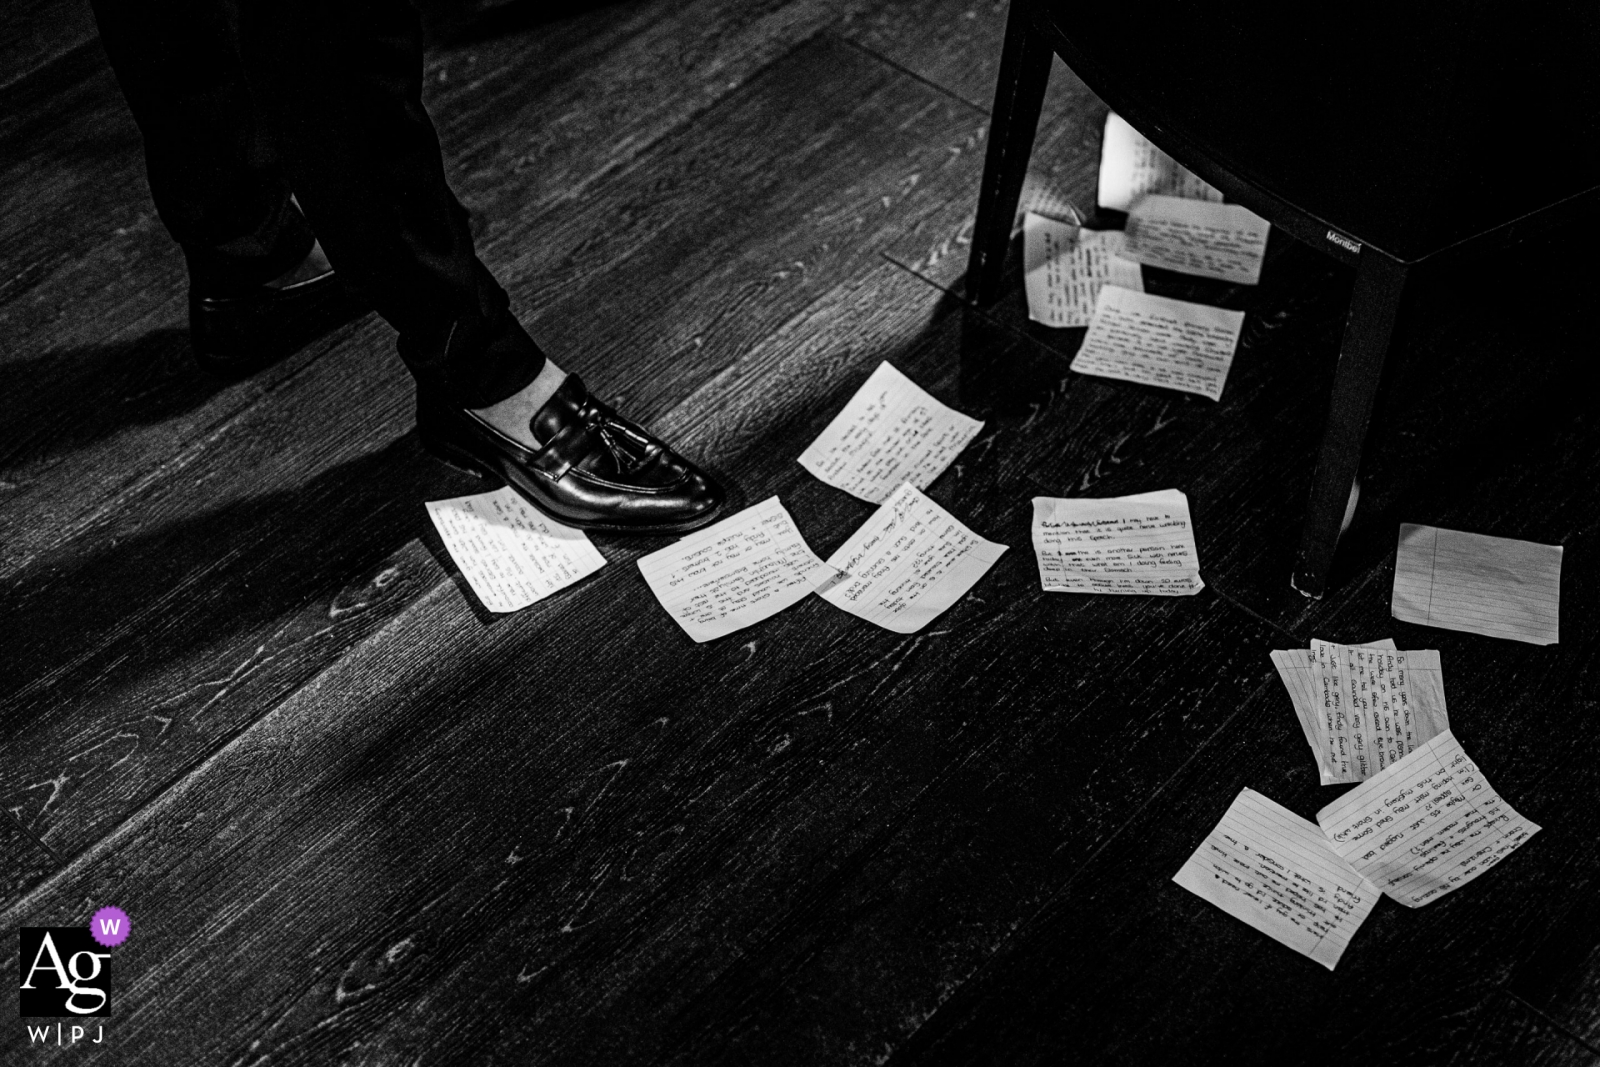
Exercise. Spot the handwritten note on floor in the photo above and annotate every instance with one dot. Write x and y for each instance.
(890, 432)
(1154, 340)
(1223, 241)
(1138, 545)
(733, 574)
(1363, 707)
(1266, 866)
(1426, 826)
(908, 563)
(1493, 586)
(509, 553)
(1130, 167)
(1065, 266)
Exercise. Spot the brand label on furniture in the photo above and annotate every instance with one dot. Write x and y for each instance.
(1344, 242)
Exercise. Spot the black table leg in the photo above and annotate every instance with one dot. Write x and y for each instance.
(1024, 74)
(1373, 307)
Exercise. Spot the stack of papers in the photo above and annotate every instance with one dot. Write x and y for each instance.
(1363, 707)
(1423, 827)
(1139, 545)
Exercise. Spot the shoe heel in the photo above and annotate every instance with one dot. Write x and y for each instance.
(450, 454)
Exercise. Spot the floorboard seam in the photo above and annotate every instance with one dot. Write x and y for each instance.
(1021, 928)
(1551, 1020)
(55, 857)
(935, 86)
(1254, 614)
(180, 776)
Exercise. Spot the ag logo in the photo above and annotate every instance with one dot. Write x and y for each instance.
(63, 972)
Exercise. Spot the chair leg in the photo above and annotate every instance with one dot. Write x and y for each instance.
(1373, 307)
(1024, 73)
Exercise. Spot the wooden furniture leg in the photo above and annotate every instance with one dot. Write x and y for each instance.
(1367, 332)
(1024, 73)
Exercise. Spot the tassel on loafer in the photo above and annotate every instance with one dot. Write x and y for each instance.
(595, 469)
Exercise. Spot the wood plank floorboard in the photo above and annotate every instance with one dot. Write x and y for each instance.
(1122, 966)
(24, 862)
(276, 501)
(621, 807)
(98, 386)
(1562, 978)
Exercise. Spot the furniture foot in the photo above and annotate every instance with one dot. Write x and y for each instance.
(1374, 306)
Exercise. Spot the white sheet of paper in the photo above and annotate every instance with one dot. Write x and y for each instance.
(736, 572)
(1495, 586)
(1065, 266)
(1426, 826)
(1297, 667)
(1223, 241)
(908, 563)
(1139, 545)
(1131, 166)
(1373, 707)
(1268, 867)
(1155, 340)
(1044, 195)
(509, 553)
(890, 432)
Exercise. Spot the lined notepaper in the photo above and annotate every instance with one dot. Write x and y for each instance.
(1493, 586)
(733, 574)
(1141, 545)
(1064, 267)
(1155, 340)
(1422, 715)
(891, 431)
(509, 552)
(1426, 826)
(908, 563)
(1223, 241)
(1266, 866)
(1130, 167)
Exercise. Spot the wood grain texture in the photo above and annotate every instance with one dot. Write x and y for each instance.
(37, 33)
(643, 843)
(360, 820)
(284, 521)
(1507, 1030)
(96, 402)
(24, 862)
(1122, 966)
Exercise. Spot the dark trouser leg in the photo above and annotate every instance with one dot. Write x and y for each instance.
(1374, 305)
(1018, 98)
(340, 84)
(214, 172)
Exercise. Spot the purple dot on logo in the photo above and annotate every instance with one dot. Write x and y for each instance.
(109, 927)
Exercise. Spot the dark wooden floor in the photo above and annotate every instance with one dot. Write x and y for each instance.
(356, 820)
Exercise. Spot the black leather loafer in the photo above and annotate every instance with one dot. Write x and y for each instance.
(241, 333)
(595, 471)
